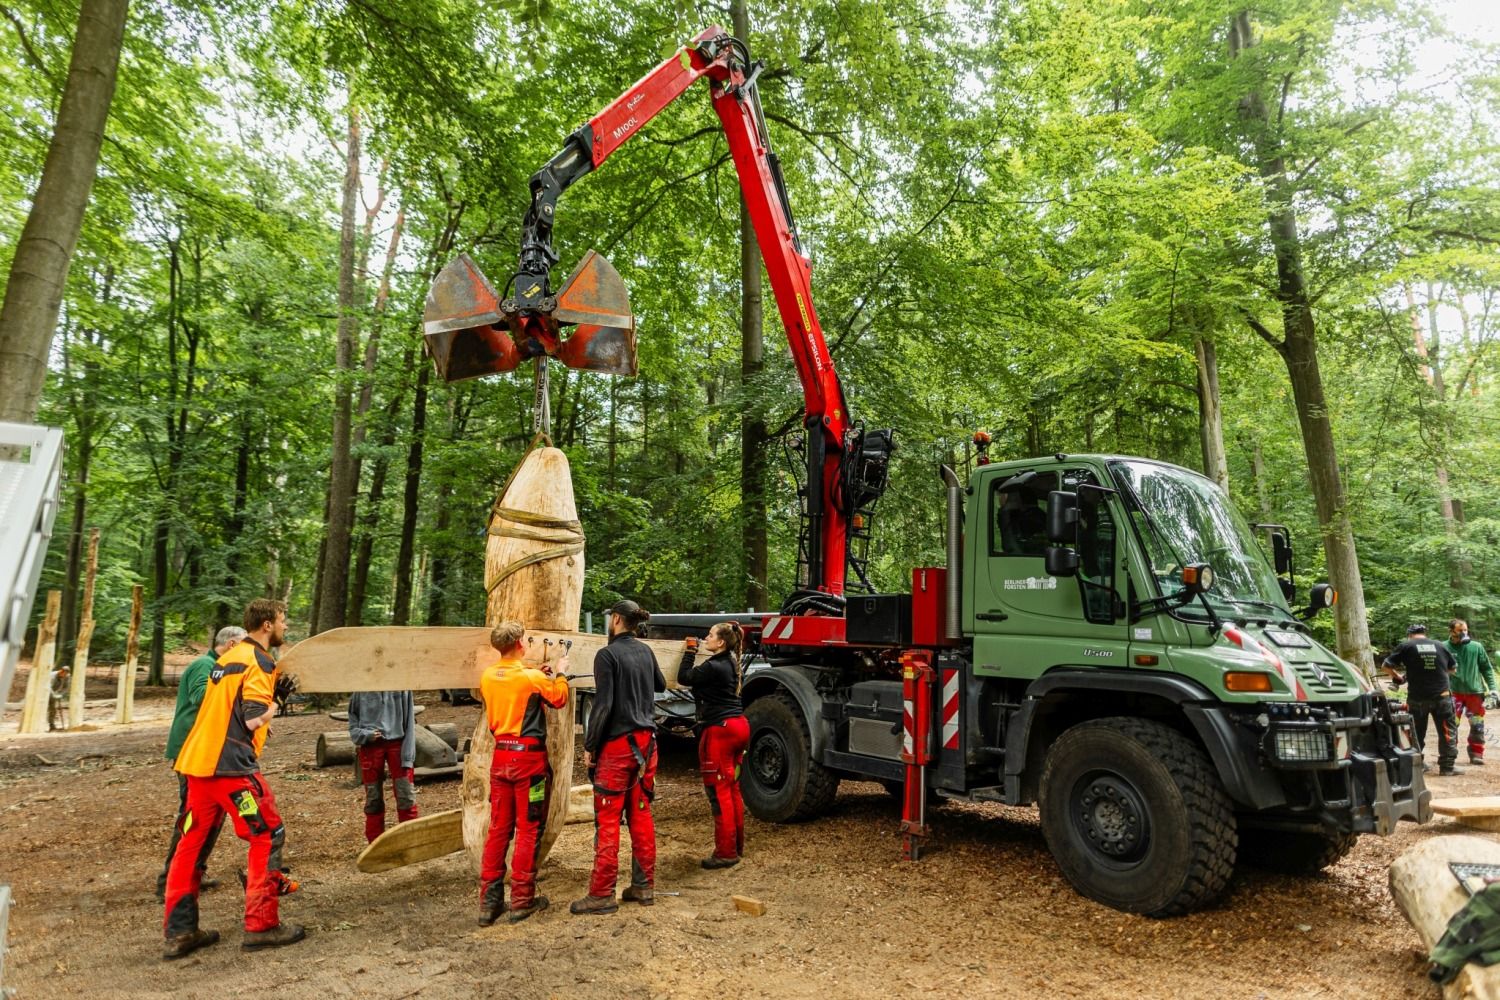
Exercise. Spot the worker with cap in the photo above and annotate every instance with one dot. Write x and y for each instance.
(620, 753)
(221, 759)
(1428, 670)
(520, 778)
(383, 728)
(190, 688)
(1473, 684)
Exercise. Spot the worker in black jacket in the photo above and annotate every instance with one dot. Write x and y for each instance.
(620, 752)
(723, 734)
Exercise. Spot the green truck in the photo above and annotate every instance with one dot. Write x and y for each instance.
(1110, 642)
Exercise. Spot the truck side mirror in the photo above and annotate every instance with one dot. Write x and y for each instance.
(1281, 553)
(1322, 598)
(1062, 517)
(1060, 560)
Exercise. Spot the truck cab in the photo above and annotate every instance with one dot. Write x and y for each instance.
(1126, 657)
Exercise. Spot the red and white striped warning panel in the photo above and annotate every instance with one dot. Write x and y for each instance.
(950, 709)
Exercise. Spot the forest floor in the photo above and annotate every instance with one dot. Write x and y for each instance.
(985, 913)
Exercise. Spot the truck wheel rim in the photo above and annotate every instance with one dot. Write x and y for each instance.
(768, 761)
(1110, 817)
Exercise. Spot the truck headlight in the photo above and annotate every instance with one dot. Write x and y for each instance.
(1303, 746)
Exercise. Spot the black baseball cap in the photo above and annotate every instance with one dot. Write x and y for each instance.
(1415, 627)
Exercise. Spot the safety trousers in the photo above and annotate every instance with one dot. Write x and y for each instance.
(520, 793)
(375, 757)
(1472, 706)
(248, 802)
(624, 785)
(161, 880)
(1439, 710)
(721, 750)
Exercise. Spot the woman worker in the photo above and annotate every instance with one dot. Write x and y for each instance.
(723, 734)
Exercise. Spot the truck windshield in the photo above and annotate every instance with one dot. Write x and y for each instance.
(1193, 521)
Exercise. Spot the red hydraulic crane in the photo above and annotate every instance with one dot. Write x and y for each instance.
(472, 331)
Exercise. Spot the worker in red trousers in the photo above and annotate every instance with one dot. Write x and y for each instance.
(620, 753)
(723, 734)
(520, 778)
(383, 726)
(221, 759)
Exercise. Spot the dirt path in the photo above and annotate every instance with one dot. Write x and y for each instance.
(985, 914)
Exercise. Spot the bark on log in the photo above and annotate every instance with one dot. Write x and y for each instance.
(335, 748)
(39, 681)
(1428, 895)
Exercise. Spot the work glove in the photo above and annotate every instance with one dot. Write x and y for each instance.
(1492, 700)
(1397, 680)
(285, 687)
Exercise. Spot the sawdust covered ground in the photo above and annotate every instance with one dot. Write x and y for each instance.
(985, 914)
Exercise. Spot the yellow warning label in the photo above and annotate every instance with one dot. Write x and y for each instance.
(802, 308)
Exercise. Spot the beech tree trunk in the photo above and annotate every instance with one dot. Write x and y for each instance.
(1298, 347)
(335, 584)
(401, 605)
(752, 361)
(1210, 413)
(39, 270)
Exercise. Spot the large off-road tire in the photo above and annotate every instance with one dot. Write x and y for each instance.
(779, 780)
(1298, 852)
(1136, 817)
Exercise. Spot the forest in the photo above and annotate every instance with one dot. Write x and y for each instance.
(1259, 242)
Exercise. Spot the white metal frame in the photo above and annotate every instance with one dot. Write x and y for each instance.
(30, 485)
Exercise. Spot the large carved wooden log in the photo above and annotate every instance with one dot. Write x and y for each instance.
(533, 569)
(1427, 894)
(533, 560)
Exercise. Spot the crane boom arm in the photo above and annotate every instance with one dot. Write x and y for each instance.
(725, 63)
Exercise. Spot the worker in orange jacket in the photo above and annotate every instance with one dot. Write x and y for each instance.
(520, 778)
(221, 760)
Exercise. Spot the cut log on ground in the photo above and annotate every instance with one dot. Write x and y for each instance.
(420, 839)
(1427, 894)
(395, 658)
(334, 747)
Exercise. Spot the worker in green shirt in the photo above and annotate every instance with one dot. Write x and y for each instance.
(190, 687)
(1473, 684)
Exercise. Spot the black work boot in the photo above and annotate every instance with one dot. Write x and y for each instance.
(183, 945)
(643, 894)
(1449, 771)
(520, 913)
(282, 934)
(492, 903)
(594, 904)
(718, 862)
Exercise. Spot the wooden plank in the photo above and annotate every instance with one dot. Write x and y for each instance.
(1468, 805)
(39, 681)
(396, 658)
(125, 692)
(420, 839)
(1428, 895)
(85, 635)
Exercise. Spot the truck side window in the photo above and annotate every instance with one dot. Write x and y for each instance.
(1018, 516)
(1096, 535)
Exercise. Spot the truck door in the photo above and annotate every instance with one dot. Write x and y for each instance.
(1027, 622)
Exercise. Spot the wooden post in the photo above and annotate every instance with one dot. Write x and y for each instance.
(85, 634)
(125, 694)
(38, 683)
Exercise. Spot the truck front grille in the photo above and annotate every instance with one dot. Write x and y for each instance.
(1332, 680)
